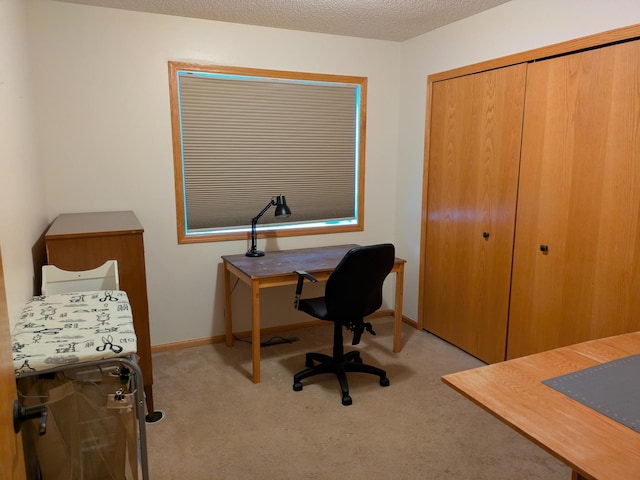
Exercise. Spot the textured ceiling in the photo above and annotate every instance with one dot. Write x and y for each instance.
(396, 20)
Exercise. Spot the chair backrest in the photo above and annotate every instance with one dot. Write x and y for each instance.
(56, 280)
(354, 288)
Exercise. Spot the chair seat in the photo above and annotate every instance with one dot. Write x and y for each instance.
(316, 307)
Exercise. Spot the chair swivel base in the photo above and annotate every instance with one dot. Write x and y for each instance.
(350, 362)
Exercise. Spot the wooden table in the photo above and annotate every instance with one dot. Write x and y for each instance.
(593, 445)
(276, 269)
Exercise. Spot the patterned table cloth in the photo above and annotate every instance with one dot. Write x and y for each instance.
(68, 328)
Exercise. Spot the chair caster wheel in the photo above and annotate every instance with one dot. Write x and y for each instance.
(346, 400)
(297, 386)
(384, 382)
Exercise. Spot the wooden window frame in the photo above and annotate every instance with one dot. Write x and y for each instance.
(265, 230)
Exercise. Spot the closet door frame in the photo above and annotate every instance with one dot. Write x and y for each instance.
(591, 41)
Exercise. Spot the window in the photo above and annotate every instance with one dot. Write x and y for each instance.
(242, 136)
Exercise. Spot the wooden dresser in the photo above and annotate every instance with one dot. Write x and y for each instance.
(83, 241)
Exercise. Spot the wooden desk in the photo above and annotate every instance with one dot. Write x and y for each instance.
(276, 269)
(593, 445)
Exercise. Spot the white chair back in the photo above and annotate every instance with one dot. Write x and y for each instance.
(56, 280)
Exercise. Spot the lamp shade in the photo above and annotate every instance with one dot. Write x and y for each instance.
(282, 210)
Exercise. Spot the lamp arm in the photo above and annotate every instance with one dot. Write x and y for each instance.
(255, 219)
(254, 223)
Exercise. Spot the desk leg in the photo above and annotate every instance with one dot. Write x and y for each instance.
(397, 334)
(255, 329)
(227, 306)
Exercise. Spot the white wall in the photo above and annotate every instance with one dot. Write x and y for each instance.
(516, 26)
(22, 209)
(102, 99)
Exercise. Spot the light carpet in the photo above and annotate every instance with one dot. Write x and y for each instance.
(220, 425)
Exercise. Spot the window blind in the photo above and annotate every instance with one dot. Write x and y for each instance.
(247, 139)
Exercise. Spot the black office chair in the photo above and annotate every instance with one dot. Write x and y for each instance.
(353, 291)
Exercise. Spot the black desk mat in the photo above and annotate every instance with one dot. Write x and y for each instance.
(612, 389)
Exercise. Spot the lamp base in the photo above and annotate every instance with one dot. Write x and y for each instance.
(254, 253)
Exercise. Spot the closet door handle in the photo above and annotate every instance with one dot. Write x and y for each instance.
(544, 249)
(485, 235)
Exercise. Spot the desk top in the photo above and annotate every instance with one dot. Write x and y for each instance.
(286, 261)
(592, 444)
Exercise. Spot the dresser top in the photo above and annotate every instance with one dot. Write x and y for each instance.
(95, 223)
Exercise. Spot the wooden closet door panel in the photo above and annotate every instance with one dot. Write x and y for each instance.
(579, 195)
(472, 186)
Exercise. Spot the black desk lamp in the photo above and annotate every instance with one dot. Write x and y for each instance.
(281, 211)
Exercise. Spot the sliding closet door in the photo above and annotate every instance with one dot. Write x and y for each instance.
(576, 273)
(474, 150)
